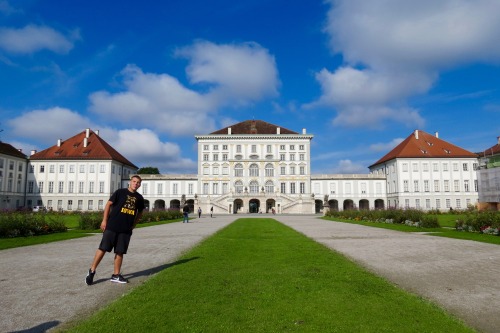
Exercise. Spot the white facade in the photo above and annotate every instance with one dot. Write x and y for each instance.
(12, 181)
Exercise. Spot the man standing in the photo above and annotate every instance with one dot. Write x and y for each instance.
(211, 211)
(185, 213)
(199, 212)
(121, 214)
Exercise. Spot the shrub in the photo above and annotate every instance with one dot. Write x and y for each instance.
(90, 220)
(22, 224)
(411, 217)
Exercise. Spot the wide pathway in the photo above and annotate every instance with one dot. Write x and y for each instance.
(42, 286)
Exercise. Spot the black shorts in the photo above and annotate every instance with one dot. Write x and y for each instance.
(117, 240)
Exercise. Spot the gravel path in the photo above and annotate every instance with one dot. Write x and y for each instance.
(42, 286)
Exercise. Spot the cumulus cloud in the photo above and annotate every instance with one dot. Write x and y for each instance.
(33, 38)
(220, 75)
(386, 146)
(396, 49)
(348, 167)
(6, 8)
(143, 147)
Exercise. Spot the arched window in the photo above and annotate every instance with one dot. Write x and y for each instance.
(238, 186)
(254, 170)
(269, 170)
(238, 170)
(254, 186)
(269, 186)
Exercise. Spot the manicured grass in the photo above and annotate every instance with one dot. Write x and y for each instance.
(257, 275)
(441, 232)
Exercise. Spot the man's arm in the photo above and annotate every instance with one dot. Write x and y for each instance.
(137, 219)
(105, 215)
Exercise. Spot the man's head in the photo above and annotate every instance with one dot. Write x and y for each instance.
(135, 183)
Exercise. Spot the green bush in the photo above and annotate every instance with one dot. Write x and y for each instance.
(90, 220)
(479, 221)
(412, 217)
(22, 224)
(161, 215)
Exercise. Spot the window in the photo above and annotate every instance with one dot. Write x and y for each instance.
(90, 206)
(72, 168)
(282, 157)
(238, 170)
(224, 147)
(224, 157)
(302, 187)
(269, 186)
(405, 186)
(283, 187)
(407, 203)
(101, 187)
(438, 203)
(435, 167)
(82, 168)
(216, 170)
(60, 188)
(40, 187)
(70, 204)
(447, 186)
(254, 170)
(448, 203)
(91, 187)
(254, 149)
(445, 166)
(415, 167)
(269, 149)
(145, 188)
(224, 188)
(206, 170)
(159, 188)
(301, 147)
(292, 188)
(292, 147)
(100, 204)
(80, 205)
(417, 203)
(254, 187)
(456, 185)
(61, 168)
(427, 203)
(458, 203)
(51, 187)
(333, 188)
(52, 168)
(466, 186)
(215, 157)
(238, 187)
(215, 188)
(292, 170)
(71, 186)
(175, 188)
(238, 148)
(292, 157)
(363, 188)
(225, 170)
(216, 147)
(282, 147)
(205, 157)
(92, 168)
(426, 185)
(282, 170)
(302, 170)
(455, 166)
(42, 168)
(269, 170)
(80, 187)
(102, 168)
(465, 167)
(475, 166)
(425, 166)
(415, 186)
(436, 186)
(205, 147)
(205, 188)
(302, 157)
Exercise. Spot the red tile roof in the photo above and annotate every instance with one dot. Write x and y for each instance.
(494, 150)
(426, 146)
(74, 149)
(254, 127)
(8, 149)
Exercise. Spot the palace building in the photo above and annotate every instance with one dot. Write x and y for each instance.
(248, 167)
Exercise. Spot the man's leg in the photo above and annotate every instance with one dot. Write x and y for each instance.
(99, 254)
(118, 263)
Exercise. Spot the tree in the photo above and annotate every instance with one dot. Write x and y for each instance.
(148, 171)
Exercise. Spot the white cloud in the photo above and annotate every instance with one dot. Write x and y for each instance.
(395, 49)
(6, 8)
(348, 167)
(387, 146)
(143, 147)
(239, 73)
(235, 75)
(46, 126)
(33, 38)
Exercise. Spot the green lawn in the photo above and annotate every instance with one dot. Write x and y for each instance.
(257, 275)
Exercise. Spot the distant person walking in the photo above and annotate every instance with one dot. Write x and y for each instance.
(121, 214)
(199, 212)
(185, 213)
(211, 211)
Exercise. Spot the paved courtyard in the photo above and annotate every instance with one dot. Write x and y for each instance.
(42, 286)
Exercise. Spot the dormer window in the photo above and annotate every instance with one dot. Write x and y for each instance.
(447, 151)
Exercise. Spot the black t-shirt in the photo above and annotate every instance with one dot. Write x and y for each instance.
(126, 205)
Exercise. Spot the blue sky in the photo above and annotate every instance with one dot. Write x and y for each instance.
(149, 75)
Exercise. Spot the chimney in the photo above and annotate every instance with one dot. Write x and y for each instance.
(85, 142)
(278, 130)
(498, 140)
(416, 134)
(437, 134)
(59, 142)
(33, 152)
(229, 130)
(303, 131)
(97, 132)
(87, 132)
